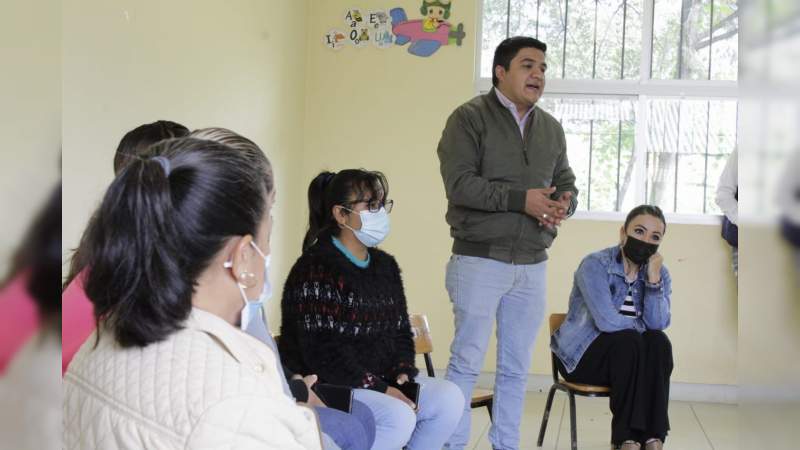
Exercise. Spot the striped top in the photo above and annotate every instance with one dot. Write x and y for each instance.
(628, 308)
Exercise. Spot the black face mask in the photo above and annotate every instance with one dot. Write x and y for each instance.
(639, 251)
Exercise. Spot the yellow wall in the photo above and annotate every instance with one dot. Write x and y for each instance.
(237, 64)
(30, 119)
(385, 109)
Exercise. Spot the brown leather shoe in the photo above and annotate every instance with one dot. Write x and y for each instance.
(654, 445)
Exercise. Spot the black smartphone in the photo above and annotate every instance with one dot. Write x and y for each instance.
(411, 390)
(335, 396)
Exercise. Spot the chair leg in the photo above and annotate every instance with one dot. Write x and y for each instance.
(546, 415)
(489, 406)
(573, 427)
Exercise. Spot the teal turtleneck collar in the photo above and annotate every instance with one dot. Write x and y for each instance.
(361, 263)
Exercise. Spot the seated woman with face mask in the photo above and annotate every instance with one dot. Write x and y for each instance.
(612, 335)
(344, 314)
(175, 250)
(340, 431)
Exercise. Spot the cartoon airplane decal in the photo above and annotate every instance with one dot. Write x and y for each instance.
(426, 35)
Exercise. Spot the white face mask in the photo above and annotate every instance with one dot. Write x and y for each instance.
(253, 308)
(374, 227)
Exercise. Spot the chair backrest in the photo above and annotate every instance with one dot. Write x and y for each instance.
(423, 344)
(421, 331)
(555, 321)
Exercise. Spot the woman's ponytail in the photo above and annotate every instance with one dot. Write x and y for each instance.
(161, 223)
(135, 267)
(319, 215)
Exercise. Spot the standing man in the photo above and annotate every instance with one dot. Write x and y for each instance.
(509, 185)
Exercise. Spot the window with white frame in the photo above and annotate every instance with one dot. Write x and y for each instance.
(646, 91)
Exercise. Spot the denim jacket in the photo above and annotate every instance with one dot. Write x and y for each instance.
(599, 289)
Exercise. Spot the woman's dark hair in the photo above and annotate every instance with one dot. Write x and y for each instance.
(649, 210)
(133, 145)
(40, 256)
(508, 49)
(344, 188)
(239, 143)
(160, 224)
(143, 136)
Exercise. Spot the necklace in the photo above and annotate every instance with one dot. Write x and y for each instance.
(628, 267)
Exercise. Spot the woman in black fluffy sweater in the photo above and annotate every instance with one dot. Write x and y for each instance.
(345, 317)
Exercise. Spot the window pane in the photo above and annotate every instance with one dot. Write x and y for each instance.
(692, 145)
(577, 134)
(666, 37)
(722, 127)
(495, 15)
(687, 140)
(595, 44)
(695, 62)
(600, 137)
(662, 146)
(722, 122)
(688, 44)
(580, 40)
(524, 18)
(632, 13)
(661, 180)
(614, 52)
(627, 190)
(725, 41)
(605, 154)
(691, 183)
(715, 166)
(551, 32)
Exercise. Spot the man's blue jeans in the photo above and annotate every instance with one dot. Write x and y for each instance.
(483, 291)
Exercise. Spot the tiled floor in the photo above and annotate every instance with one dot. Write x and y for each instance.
(695, 426)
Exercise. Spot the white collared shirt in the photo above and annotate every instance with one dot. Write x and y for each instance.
(513, 108)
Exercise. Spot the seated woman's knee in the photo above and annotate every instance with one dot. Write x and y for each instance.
(657, 339)
(402, 420)
(450, 398)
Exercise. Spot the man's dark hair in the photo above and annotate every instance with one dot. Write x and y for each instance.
(509, 48)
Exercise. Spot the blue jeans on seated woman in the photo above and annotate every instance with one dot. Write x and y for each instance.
(441, 404)
(354, 431)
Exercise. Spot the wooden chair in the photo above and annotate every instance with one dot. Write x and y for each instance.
(423, 345)
(572, 389)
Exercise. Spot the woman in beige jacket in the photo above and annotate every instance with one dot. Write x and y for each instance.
(177, 253)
